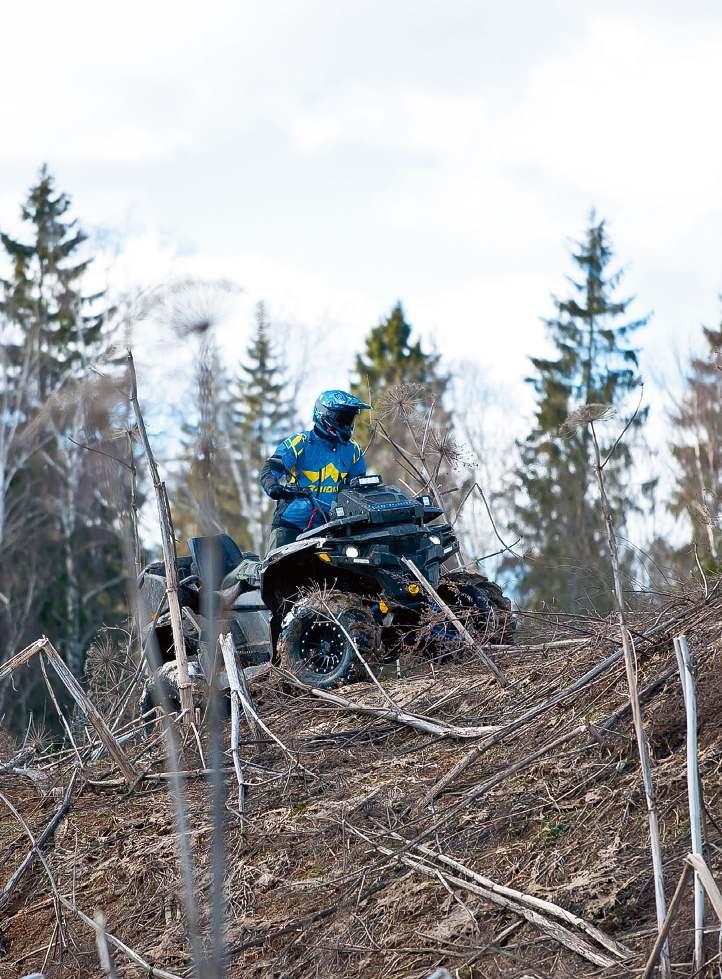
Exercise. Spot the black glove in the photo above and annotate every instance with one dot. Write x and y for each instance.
(288, 492)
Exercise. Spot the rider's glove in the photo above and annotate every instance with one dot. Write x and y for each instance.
(293, 492)
(288, 492)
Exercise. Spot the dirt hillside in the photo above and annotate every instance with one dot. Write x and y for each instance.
(353, 859)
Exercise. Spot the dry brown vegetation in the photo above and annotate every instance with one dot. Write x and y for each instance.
(341, 866)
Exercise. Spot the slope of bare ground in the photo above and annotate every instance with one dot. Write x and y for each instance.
(341, 867)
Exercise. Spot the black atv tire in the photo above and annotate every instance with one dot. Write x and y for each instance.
(484, 601)
(311, 625)
(152, 698)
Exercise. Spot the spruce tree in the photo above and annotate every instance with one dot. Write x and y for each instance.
(262, 413)
(204, 499)
(401, 380)
(60, 326)
(697, 427)
(593, 362)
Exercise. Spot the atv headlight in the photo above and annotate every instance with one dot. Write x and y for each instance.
(434, 539)
(351, 551)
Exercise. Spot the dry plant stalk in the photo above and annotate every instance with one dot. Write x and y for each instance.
(402, 402)
(66, 677)
(101, 941)
(91, 712)
(240, 687)
(686, 677)
(704, 874)
(439, 729)
(557, 931)
(19, 659)
(671, 912)
(631, 671)
(169, 553)
(540, 904)
(229, 659)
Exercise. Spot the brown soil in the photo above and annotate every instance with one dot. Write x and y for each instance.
(308, 896)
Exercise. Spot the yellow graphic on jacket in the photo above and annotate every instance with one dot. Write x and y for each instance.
(326, 479)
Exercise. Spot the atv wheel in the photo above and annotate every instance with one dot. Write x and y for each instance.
(154, 700)
(317, 641)
(163, 692)
(484, 602)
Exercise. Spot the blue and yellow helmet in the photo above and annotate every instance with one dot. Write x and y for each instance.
(335, 412)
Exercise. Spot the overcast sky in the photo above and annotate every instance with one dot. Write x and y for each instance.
(334, 157)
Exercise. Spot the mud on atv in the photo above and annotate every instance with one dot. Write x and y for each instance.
(336, 596)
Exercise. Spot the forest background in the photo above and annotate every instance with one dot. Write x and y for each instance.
(313, 210)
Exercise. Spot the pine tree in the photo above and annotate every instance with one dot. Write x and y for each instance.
(55, 333)
(262, 413)
(594, 363)
(697, 423)
(393, 371)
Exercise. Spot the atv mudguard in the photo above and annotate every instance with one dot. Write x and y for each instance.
(268, 569)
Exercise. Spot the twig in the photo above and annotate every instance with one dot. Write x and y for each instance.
(710, 885)
(557, 931)
(101, 940)
(480, 790)
(229, 659)
(713, 892)
(251, 713)
(354, 646)
(624, 430)
(506, 547)
(19, 659)
(705, 583)
(237, 682)
(531, 901)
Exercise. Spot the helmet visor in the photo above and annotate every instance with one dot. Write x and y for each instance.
(345, 416)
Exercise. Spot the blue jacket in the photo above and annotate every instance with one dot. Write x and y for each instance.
(322, 465)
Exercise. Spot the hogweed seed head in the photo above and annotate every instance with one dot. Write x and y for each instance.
(584, 415)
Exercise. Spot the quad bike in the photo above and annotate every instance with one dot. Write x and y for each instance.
(333, 604)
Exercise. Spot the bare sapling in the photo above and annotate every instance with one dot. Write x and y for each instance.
(169, 554)
(587, 415)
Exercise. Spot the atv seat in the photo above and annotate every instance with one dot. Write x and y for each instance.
(214, 557)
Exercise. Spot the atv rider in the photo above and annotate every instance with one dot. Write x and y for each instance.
(306, 471)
